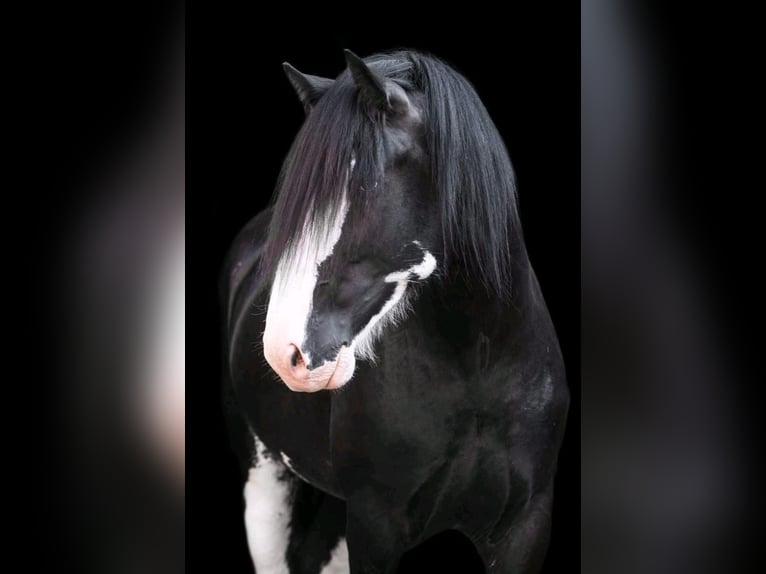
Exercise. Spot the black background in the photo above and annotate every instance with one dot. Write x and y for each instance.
(90, 80)
(242, 116)
(105, 76)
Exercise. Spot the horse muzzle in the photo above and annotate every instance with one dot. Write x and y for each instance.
(292, 366)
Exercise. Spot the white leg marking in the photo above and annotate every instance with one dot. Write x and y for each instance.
(289, 464)
(267, 513)
(338, 563)
(287, 461)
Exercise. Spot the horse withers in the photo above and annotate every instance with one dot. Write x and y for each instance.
(391, 368)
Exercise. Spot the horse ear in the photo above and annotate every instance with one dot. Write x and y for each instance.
(373, 87)
(309, 88)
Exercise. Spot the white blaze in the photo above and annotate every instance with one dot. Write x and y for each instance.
(293, 289)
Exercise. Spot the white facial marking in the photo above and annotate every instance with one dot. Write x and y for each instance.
(267, 513)
(344, 368)
(290, 308)
(292, 293)
(395, 309)
(338, 563)
(293, 289)
(425, 267)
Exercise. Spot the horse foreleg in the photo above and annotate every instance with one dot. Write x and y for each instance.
(268, 499)
(292, 527)
(521, 546)
(376, 539)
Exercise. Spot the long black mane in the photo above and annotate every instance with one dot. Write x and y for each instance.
(470, 169)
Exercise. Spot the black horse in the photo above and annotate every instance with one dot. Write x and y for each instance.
(391, 273)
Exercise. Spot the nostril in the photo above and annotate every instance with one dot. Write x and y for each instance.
(295, 359)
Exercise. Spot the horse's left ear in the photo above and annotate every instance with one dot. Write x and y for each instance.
(374, 89)
(309, 88)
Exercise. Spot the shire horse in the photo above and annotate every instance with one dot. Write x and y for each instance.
(391, 370)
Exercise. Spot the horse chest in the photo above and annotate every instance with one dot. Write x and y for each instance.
(391, 437)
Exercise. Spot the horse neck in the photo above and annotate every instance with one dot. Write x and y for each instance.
(465, 329)
(468, 309)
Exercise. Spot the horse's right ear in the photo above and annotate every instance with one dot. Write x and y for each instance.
(309, 88)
